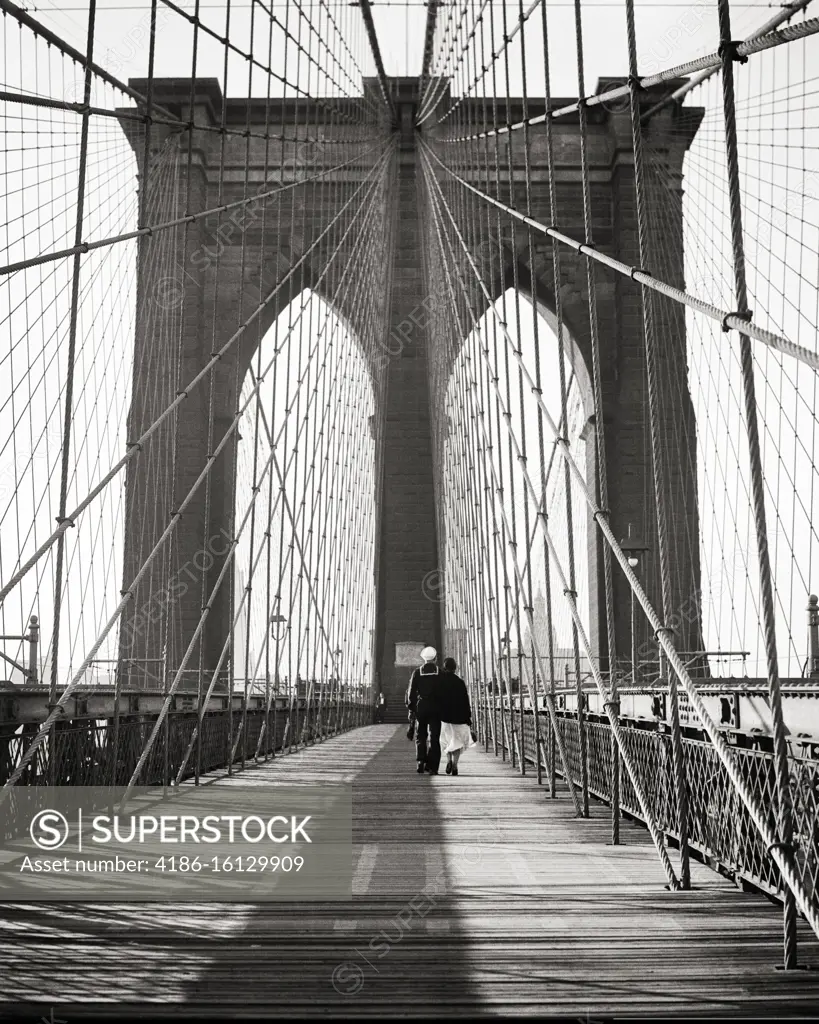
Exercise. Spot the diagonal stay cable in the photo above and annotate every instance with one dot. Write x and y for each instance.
(273, 444)
(498, 487)
(726, 319)
(568, 591)
(757, 814)
(789, 10)
(367, 15)
(135, 447)
(710, 63)
(151, 229)
(57, 706)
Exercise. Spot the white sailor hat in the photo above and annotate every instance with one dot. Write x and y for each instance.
(429, 654)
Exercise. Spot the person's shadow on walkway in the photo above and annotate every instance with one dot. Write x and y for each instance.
(394, 948)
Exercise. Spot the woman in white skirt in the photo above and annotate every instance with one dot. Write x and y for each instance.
(456, 717)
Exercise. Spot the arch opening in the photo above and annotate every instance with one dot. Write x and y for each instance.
(304, 575)
(510, 544)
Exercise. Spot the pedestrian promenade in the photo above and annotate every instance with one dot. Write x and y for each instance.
(473, 895)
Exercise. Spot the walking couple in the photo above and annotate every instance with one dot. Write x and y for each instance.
(439, 713)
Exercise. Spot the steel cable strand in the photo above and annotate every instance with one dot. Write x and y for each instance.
(564, 417)
(569, 594)
(254, 397)
(228, 562)
(487, 443)
(710, 63)
(544, 475)
(189, 218)
(656, 837)
(507, 39)
(433, 93)
(599, 420)
(273, 608)
(127, 596)
(135, 447)
(237, 386)
(68, 415)
(804, 901)
(431, 110)
(485, 232)
(790, 11)
(749, 389)
(274, 443)
(519, 584)
(730, 320)
(660, 472)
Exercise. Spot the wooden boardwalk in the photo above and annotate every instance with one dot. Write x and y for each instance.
(531, 912)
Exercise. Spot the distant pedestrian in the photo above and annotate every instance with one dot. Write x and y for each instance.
(456, 713)
(423, 701)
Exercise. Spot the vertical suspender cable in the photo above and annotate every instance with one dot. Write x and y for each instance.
(599, 422)
(69, 377)
(728, 53)
(657, 451)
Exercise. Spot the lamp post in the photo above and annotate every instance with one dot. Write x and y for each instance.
(633, 549)
(633, 562)
(337, 665)
(278, 628)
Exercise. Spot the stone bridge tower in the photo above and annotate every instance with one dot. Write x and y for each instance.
(409, 612)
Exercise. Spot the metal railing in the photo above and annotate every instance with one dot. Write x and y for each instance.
(101, 752)
(720, 828)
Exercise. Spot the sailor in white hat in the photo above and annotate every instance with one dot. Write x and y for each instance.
(423, 700)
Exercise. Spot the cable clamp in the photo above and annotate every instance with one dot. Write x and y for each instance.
(612, 704)
(663, 629)
(729, 49)
(636, 82)
(133, 444)
(787, 848)
(747, 316)
(65, 519)
(602, 512)
(638, 270)
(569, 593)
(56, 707)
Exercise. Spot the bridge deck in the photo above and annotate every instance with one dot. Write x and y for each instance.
(533, 912)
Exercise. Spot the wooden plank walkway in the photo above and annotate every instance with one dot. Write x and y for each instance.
(528, 911)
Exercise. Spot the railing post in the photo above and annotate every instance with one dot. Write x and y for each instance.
(33, 640)
(785, 822)
(813, 635)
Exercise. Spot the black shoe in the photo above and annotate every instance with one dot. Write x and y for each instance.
(454, 769)
(449, 767)
(420, 769)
